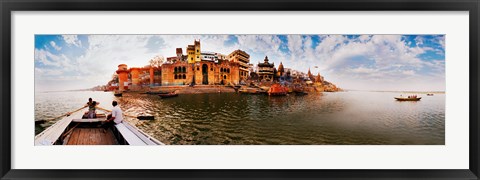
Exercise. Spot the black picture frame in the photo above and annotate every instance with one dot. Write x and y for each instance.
(7, 6)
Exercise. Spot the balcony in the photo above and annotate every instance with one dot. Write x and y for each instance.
(243, 69)
(242, 64)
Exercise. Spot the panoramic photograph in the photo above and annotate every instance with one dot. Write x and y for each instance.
(239, 89)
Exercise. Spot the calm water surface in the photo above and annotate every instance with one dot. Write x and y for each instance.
(353, 117)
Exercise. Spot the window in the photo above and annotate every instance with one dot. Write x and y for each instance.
(192, 58)
(175, 76)
(224, 76)
(197, 50)
(197, 56)
(228, 70)
(211, 69)
(184, 76)
(198, 69)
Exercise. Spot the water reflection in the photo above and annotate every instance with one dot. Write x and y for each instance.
(229, 118)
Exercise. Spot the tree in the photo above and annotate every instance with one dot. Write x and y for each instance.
(156, 61)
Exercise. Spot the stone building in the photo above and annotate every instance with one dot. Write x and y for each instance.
(193, 52)
(266, 70)
(242, 58)
(209, 69)
(280, 70)
(197, 67)
(201, 73)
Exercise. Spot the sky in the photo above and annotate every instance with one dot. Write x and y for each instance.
(353, 62)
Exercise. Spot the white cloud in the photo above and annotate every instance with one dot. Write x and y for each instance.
(376, 60)
(72, 40)
(48, 59)
(54, 45)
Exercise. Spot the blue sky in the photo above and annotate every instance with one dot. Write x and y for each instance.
(363, 62)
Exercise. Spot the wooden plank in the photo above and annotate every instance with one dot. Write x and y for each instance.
(88, 139)
(107, 137)
(73, 137)
(78, 136)
(97, 136)
(111, 137)
(88, 120)
(83, 137)
(92, 136)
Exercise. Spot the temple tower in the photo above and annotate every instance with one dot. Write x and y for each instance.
(122, 76)
(197, 51)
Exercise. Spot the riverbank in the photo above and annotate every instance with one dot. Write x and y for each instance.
(198, 89)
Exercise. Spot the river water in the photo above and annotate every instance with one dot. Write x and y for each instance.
(353, 117)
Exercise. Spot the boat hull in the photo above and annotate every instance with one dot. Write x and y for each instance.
(408, 99)
(74, 130)
(277, 90)
(169, 95)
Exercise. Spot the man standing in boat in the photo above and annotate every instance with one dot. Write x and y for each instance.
(91, 108)
(115, 118)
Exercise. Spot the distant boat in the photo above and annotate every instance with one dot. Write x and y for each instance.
(156, 92)
(277, 90)
(408, 98)
(168, 95)
(429, 94)
(299, 91)
(249, 90)
(117, 93)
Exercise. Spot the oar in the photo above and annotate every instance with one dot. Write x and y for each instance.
(70, 131)
(66, 114)
(138, 117)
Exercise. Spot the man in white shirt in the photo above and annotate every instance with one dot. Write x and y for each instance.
(115, 118)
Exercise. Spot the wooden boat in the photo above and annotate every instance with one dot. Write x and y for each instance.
(73, 130)
(408, 99)
(156, 92)
(117, 93)
(248, 90)
(277, 90)
(299, 91)
(168, 95)
(429, 94)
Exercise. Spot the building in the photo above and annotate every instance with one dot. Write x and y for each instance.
(280, 70)
(208, 56)
(193, 52)
(196, 67)
(201, 68)
(221, 57)
(179, 52)
(319, 78)
(123, 73)
(172, 59)
(310, 75)
(266, 70)
(242, 58)
(200, 73)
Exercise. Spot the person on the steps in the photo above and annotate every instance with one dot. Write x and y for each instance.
(115, 118)
(91, 109)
